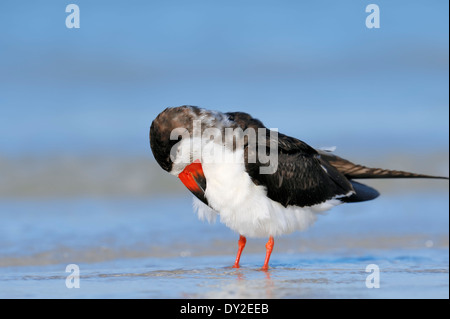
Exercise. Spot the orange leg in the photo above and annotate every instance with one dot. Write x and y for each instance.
(241, 243)
(269, 248)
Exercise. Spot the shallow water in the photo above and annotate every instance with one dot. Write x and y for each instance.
(130, 248)
(403, 274)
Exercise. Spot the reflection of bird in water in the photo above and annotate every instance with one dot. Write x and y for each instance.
(245, 192)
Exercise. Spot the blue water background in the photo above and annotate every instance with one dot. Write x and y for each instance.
(311, 69)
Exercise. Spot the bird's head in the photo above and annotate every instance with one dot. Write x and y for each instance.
(161, 130)
(181, 126)
(180, 136)
(172, 139)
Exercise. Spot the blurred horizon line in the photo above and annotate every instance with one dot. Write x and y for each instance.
(100, 175)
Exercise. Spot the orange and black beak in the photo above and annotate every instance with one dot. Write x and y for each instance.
(193, 178)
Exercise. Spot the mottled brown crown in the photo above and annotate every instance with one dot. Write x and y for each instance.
(162, 126)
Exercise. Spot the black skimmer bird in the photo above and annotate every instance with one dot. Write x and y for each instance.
(252, 193)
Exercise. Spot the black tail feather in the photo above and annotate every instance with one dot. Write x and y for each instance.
(356, 171)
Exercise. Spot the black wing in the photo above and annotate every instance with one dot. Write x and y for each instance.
(306, 177)
(302, 178)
